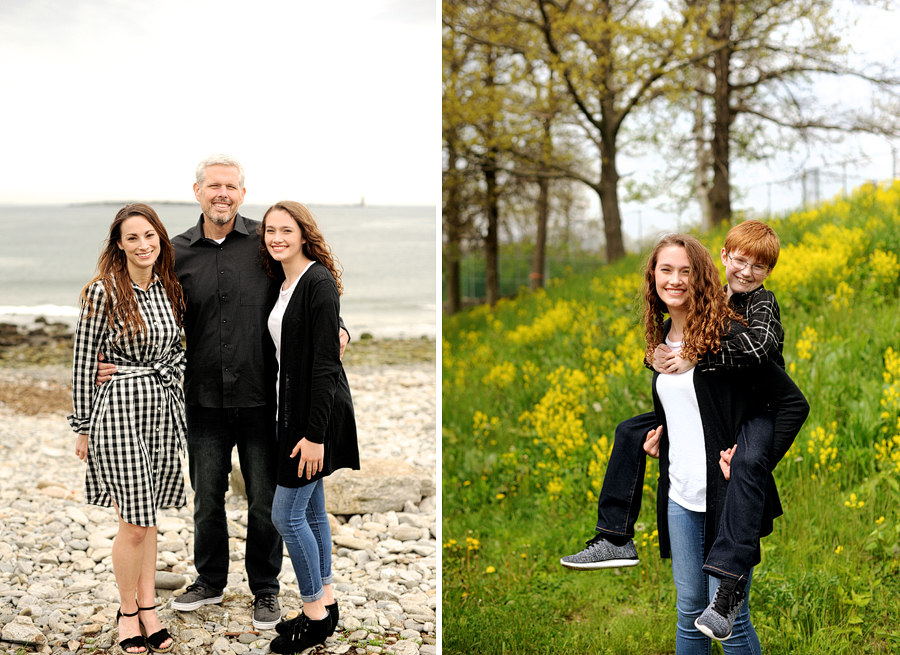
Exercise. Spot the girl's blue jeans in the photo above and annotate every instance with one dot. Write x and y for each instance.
(696, 590)
(299, 515)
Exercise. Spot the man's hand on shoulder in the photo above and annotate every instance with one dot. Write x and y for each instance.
(345, 339)
(105, 370)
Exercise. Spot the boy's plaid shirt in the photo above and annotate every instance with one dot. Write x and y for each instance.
(763, 340)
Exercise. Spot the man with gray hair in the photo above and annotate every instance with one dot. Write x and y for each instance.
(229, 388)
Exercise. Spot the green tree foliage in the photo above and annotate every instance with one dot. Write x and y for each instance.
(501, 116)
(610, 58)
(754, 95)
(476, 145)
(770, 51)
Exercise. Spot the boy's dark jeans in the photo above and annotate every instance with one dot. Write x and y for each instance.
(736, 544)
(620, 496)
(737, 541)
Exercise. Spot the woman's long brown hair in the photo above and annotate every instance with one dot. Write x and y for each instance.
(708, 311)
(315, 247)
(112, 272)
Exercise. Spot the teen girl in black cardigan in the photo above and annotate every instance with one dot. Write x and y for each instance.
(316, 425)
(700, 415)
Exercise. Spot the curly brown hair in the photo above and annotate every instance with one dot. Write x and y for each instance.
(708, 311)
(112, 272)
(315, 248)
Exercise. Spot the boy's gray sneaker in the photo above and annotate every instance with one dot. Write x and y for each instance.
(717, 620)
(602, 554)
(194, 597)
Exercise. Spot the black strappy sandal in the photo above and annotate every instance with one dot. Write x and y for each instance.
(156, 640)
(132, 642)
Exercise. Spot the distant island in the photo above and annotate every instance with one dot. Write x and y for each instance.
(119, 203)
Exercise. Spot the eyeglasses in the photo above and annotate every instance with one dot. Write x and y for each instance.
(741, 264)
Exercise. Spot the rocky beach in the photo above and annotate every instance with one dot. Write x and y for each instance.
(57, 589)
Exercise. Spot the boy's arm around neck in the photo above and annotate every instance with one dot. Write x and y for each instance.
(761, 341)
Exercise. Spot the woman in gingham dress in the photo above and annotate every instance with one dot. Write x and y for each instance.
(131, 429)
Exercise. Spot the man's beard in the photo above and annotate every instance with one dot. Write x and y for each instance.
(222, 220)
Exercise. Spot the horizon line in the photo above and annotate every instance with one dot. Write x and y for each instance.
(187, 202)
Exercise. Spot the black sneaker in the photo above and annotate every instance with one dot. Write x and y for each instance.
(602, 554)
(333, 613)
(266, 611)
(305, 634)
(717, 620)
(194, 597)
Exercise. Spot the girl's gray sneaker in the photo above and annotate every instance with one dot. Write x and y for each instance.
(602, 554)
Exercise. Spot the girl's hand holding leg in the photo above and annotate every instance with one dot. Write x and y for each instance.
(651, 443)
(725, 461)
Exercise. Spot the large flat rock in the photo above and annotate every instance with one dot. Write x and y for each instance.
(381, 485)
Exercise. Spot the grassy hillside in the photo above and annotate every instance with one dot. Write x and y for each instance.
(533, 390)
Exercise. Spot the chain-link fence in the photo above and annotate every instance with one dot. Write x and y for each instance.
(515, 273)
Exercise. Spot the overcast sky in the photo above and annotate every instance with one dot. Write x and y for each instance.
(871, 34)
(322, 102)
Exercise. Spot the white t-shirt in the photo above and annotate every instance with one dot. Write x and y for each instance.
(687, 449)
(274, 323)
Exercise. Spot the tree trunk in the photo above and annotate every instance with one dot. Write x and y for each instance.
(491, 248)
(492, 200)
(701, 172)
(453, 231)
(720, 194)
(540, 241)
(609, 199)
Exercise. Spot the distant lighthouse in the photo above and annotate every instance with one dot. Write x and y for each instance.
(362, 201)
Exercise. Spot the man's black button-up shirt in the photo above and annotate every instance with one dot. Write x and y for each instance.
(230, 356)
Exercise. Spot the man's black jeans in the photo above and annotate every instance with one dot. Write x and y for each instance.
(211, 436)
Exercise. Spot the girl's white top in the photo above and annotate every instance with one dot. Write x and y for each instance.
(687, 450)
(274, 323)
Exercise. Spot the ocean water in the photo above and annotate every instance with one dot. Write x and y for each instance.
(388, 254)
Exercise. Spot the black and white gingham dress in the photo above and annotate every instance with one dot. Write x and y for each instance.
(135, 422)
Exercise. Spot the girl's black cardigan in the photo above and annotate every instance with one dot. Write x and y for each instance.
(314, 397)
(726, 398)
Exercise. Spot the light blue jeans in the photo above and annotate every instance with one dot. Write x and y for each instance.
(299, 515)
(696, 590)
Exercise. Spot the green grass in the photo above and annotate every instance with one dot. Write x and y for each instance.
(519, 486)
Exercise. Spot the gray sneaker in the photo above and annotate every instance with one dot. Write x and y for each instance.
(717, 620)
(266, 611)
(195, 596)
(602, 554)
